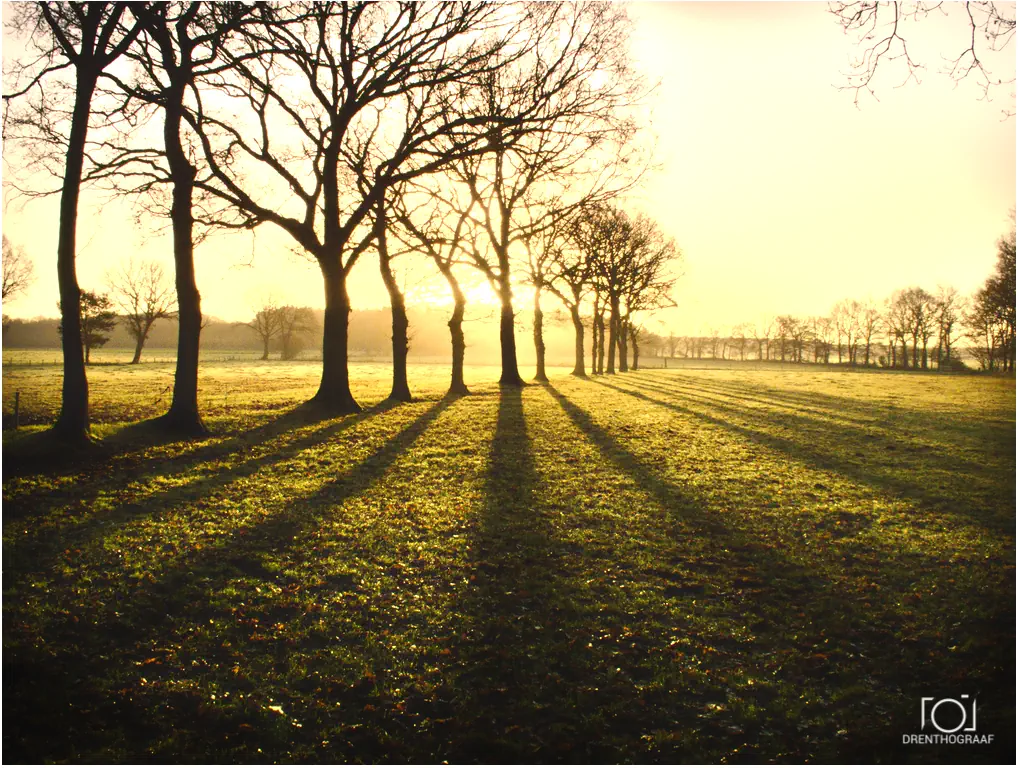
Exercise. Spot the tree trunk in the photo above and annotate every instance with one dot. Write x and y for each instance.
(400, 391)
(73, 422)
(595, 340)
(575, 318)
(183, 416)
(614, 329)
(456, 325)
(137, 357)
(334, 392)
(634, 351)
(265, 347)
(601, 327)
(507, 344)
(621, 341)
(539, 341)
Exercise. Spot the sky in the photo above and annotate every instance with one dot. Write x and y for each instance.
(783, 195)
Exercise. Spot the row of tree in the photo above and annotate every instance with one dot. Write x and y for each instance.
(470, 132)
(912, 328)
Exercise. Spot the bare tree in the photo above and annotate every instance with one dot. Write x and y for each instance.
(898, 326)
(568, 141)
(763, 331)
(948, 308)
(571, 279)
(19, 272)
(296, 325)
(84, 39)
(994, 314)
(920, 306)
(143, 296)
(366, 96)
(434, 226)
(266, 324)
(648, 279)
(869, 323)
(822, 329)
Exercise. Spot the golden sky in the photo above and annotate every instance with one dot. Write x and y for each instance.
(784, 196)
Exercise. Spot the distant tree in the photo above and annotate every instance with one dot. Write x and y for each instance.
(97, 321)
(844, 320)
(920, 307)
(672, 343)
(784, 329)
(144, 296)
(762, 332)
(949, 310)
(296, 325)
(18, 270)
(648, 278)
(897, 322)
(996, 302)
(822, 329)
(739, 336)
(266, 325)
(869, 322)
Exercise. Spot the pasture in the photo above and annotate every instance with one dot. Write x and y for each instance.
(681, 566)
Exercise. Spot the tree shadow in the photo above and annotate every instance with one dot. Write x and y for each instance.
(794, 610)
(65, 695)
(231, 460)
(869, 455)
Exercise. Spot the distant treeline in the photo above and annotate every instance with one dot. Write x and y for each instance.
(371, 332)
(912, 328)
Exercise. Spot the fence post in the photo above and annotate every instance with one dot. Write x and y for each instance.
(17, 406)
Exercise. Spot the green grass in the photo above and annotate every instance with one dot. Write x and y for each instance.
(709, 566)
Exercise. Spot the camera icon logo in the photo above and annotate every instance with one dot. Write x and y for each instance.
(949, 715)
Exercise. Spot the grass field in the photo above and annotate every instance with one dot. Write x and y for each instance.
(709, 566)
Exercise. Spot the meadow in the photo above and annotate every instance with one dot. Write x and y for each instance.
(686, 565)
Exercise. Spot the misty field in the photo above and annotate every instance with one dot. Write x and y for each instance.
(710, 566)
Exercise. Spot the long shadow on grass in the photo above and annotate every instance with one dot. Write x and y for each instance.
(74, 693)
(517, 671)
(237, 459)
(901, 433)
(814, 626)
(824, 448)
(963, 423)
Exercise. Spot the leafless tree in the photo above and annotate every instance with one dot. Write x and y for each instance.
(343, 101)
(571, 280)
(869, 323)
(266, 324)
(920, 306)
(648, 280)
(296, 325)
(949, 313)
(897, 322)
(144, 296)
(427, 221)
(763, 331)
(571, 140)
(49, 105)
(18, 270)
(822, 330)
